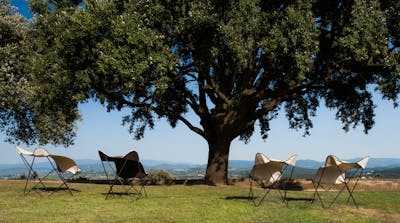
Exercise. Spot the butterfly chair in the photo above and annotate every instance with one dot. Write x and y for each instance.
(334, 173)
(126, 171)
(66, 169)
(32, 174)
(267, 173)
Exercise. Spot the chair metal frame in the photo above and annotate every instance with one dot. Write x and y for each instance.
(116, 176)
(274, 178)
(39, 152)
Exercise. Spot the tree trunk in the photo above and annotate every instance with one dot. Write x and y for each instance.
(217, 166)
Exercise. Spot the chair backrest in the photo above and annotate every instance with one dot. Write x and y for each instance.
(330, 175)
(345, 166)
(40, 152)
(103, 156)
(21, 151)
(363, 162)
(132, 155)
(127, 168)
(291, 160)
(269, 170)
(65, 164)
(261, 159)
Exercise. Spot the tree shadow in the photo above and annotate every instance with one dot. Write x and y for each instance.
(53, 189)
(238, 198)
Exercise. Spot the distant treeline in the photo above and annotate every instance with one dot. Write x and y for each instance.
(198, 173)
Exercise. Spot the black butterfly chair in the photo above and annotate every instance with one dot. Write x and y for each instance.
(126, 171)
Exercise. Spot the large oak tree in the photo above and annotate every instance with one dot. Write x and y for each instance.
(233, 63)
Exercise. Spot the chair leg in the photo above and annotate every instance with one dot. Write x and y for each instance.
(283, 196)
(63, 184)
(128, 190)
(353, 188)
(40, 179)
(110, 190)
(139, 193)
(264, 194)
(351, 195)
(139, 187)
(29, 166)
(333, 201)
(144, 189)
(316, 193)
(250, 195)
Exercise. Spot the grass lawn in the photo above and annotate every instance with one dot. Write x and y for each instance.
(179, 203)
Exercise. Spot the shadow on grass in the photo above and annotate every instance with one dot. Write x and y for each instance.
(54, 189)
(299, 199)
(238, 198)
(251, 198)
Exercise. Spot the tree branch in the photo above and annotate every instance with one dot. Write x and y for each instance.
(191, 127)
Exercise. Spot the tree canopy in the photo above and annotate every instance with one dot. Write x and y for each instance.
(24, 116)
(232, 63)
(14, 85)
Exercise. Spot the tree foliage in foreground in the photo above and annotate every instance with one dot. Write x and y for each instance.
(233, 64)
(23, 116)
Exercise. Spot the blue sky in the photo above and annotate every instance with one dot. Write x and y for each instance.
(102, 130)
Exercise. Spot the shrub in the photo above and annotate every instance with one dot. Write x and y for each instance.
(160, 177)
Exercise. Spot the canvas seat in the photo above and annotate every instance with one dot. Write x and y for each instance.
(267, 174)
(337, 174)
(126, 171)
(66, 169)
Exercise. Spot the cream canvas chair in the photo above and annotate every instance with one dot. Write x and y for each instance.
(334, 173)
(32, 174)
(267, 173)
(65, 166)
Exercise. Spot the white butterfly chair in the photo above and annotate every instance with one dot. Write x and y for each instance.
(32, 174)
(334, 173)
(66, 169)
(267, 173)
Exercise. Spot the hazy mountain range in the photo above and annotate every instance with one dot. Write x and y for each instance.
(157, 164)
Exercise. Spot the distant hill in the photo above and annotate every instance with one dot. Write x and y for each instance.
(312, 164)
(383, 162)
(377, 167)
(158, 164)
(240, 164)
(385, 172)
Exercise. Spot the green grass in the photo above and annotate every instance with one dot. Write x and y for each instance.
(181, 203)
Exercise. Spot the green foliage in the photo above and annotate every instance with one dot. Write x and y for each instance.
(160, 177)
(232, 63)
(15, 88)
(27, 110)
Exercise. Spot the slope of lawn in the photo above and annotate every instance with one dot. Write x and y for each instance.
(180, 203)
